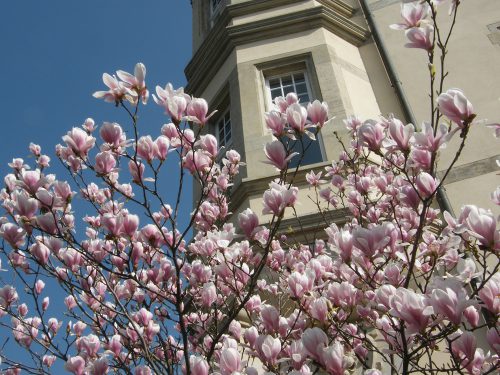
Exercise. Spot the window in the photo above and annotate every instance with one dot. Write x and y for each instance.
(296, 82)
(223, 129)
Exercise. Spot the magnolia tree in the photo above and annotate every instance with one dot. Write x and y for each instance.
(400, 287)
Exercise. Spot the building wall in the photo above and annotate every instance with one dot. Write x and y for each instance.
(347, 73)
(473, 66)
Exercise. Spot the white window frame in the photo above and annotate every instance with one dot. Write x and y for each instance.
(306, 79)
(222, 120)
(309, 93)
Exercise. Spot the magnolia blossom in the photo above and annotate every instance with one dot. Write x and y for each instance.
(79, 141)
(454, 105)
(278, 197)
(276, 155)
(420, 37)
(197, 110)
(136, 83)
(413, 14)
(175, 102)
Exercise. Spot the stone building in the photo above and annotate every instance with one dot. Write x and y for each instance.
(245, 52)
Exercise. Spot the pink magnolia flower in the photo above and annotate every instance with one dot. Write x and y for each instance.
(70, 302)
(490, 293)
(248, 221)
(112, 133)
(143, 370)
(175, 102)
(146, 148)
(318, 113)
(75, 365)
(449, 298)
(117, 91)
(89, 125)
(465, 350)
(275, 122)
(314, 179)
(454, 105)
(276, 155)
(48, 360)
(98, 367)
(79, 142)
(31, 181)
(39, 285)
(413, 15)
(198, 365)
(426, 184)
(105, 163)
(229, 361)
(278, 197)
(495, 196)
(8, 295)
(270, 318)
(352, 123)
(209, 144)
(208, 294)
(371, 135)
(136, 83)
(14, 235)
(197, 110)
(371, 241)
(341, 240)
(334, 359)
(40, 252)
(472, 316)
(319, 309)
(25, 206)
(314, 341)
(410, 307)
(296, 116)
(482, 225)
(401, 134)
(300, 284)
(136, 170)
(420, 37)
(268, 348)
(493, 338)
(428, 140)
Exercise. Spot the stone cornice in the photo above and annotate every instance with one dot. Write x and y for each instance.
(313, 224)
(216, 48)
(250, 7)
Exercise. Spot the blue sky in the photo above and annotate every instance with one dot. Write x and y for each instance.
(54, 53)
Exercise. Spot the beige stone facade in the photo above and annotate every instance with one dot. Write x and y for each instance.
(238, 45)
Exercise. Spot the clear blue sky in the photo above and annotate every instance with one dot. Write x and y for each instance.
(53, 54)
(52, 57)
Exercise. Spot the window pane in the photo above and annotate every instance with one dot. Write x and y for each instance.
(275, 92)
(304, 99)
(286, 80)
(301, 88)
(313, 154)
(287, 89)
(274, 82)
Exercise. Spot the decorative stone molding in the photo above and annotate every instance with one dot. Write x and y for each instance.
(470, 170)
(223, 38)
